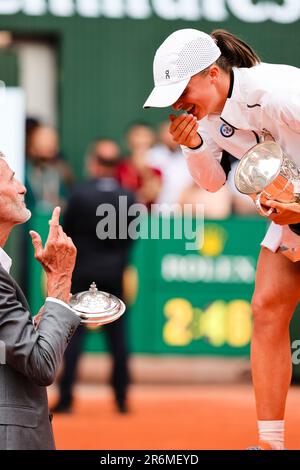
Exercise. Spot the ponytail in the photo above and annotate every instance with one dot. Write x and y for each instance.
(234, 51)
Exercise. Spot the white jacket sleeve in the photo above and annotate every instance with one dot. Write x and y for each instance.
(204, 163)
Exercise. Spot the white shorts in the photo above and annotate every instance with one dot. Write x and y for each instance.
(273, 237)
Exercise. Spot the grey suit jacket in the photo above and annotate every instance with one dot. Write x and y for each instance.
(31, 362)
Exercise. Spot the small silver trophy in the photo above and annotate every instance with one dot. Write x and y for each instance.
(96, 307)
(265, 172)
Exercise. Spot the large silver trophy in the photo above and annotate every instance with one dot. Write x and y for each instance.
(96, 307)
(266, 172)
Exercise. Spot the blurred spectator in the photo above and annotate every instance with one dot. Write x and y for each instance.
(48, 176)
(216, 205)
(241, 203)
(100, 260)
(168, 158)
(31, 124)
(134, 173)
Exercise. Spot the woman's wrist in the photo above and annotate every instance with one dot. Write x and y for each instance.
(199, 145)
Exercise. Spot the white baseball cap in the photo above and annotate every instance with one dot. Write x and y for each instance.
(183, 54)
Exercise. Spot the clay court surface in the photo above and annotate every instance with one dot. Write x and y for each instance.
(168, 417)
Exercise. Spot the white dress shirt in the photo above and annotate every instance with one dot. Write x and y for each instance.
(5, 260)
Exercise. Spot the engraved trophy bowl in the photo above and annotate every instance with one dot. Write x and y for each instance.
(96, 307)
(265, 172)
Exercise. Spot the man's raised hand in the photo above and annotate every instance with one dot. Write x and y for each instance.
(57, 257)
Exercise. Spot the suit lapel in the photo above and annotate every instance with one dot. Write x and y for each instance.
(20, 294)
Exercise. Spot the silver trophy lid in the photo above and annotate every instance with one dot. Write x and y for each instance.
(95, 306)
(258, 167)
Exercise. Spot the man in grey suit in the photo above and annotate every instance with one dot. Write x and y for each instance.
(31, 352)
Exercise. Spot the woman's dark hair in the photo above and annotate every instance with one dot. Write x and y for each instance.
(235, 52)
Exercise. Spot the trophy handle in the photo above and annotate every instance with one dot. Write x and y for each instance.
(266, 136)
(260, 208)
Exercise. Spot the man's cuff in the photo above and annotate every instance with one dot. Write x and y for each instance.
(58, 301)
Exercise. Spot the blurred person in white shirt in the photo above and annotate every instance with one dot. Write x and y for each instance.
(215, 205)
(167, 157)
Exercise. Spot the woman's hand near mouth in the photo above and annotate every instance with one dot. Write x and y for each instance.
(183, 129)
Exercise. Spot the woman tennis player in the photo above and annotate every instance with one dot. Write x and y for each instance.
(230, 99)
